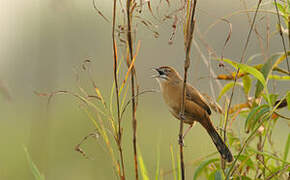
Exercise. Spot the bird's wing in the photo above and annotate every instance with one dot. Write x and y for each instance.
(212, 104)
(193, 94)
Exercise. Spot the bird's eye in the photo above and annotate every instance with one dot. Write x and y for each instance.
(167, 71)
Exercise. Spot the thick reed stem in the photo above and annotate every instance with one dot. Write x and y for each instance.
(134, 120)
(188, 39)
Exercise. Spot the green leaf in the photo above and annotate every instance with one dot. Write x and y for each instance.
(253, 116)
(36, 173)
(173, 162)
(253, 71)
(266, 154)
(243, 178)
(247, 82)
(288, 7)
(288, 99)
(286, 150)
(215, 175)
(247, 160)
(157, 164)
(143, 169)
(266, 70)
(226, 88)
(280, 7)
(218, 175)
(281, 78)
(202, 166)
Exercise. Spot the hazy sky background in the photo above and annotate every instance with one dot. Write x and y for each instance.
(42, 41)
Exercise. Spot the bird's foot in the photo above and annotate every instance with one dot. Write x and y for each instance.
(220, 129)
(180, 141)
(181, 116)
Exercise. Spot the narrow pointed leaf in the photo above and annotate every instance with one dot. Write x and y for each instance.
(226, 88)
(266, 70)
(288, 99)
(252, 115)
(202, 166)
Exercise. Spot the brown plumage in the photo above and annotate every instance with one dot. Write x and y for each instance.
(197, 108)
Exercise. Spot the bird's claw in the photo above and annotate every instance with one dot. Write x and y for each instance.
(180, 141)
(181, 116)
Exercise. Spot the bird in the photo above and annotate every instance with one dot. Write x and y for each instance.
(197, 106)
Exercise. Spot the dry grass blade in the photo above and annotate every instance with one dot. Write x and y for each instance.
(78, 146)
(174, 25)
(131, 66)
(99, 12)
(228, 37)
(138, 94)
(119, 133)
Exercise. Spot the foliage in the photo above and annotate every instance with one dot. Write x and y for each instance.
(259, 112)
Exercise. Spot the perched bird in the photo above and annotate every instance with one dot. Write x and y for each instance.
(196, 106)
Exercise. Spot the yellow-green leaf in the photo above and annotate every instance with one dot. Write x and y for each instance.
(276, 77)
(143, 169)
(247, 82)
(288, 99)
(253, 71)
(226, 88)
(203, 166)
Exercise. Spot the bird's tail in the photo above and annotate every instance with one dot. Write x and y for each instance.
(219, 143)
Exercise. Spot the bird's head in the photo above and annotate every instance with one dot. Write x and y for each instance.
(167, 74)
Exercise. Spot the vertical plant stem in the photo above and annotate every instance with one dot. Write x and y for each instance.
(241, 61)
(281, 34)
(119, 133)
(188, 39)
(134, 120)
(235, 78)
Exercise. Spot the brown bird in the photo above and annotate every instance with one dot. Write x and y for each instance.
(196, 106)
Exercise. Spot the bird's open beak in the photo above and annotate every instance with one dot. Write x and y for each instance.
(157, 75)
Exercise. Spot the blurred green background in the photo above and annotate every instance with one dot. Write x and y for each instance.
(43, 41)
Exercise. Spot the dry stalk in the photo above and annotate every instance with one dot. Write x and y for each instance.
(119, 133)
(189, 28)
(134, 120)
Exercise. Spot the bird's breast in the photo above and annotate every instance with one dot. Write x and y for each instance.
(172, 96)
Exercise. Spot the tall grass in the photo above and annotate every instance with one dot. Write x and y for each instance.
(259, 111)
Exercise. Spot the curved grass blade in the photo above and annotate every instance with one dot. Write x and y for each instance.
(252, 117)
(202, 166)
(143, 169)
(173, 162)
(36, 173)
